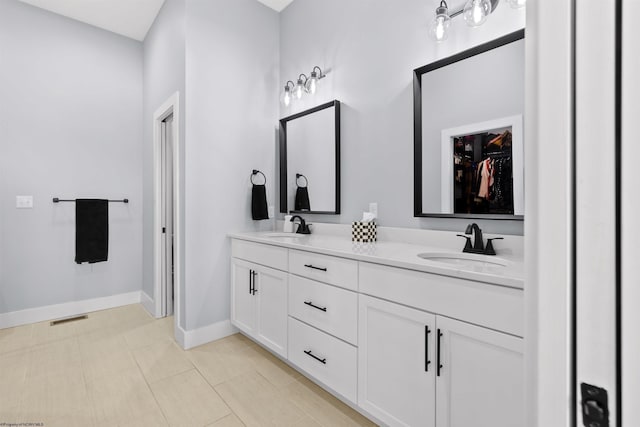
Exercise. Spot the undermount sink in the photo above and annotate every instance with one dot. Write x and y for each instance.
(284, 235)
(465, 259)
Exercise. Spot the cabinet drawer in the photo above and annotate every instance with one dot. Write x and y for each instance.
(267, 255)
(492, 306)
(328, 269)
(326, 307)
(329, 360)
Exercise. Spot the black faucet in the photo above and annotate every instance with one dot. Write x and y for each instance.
(303, 228)
(478, 244)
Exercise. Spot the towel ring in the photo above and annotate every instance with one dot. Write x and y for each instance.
(255, 172)
(306, 181)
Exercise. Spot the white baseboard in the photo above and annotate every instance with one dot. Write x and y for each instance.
(59, 311)
(147, 303)
(206, 334)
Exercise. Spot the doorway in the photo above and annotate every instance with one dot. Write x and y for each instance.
(167, 214)
(167, 232)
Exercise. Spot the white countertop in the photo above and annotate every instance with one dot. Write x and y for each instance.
(403, 255)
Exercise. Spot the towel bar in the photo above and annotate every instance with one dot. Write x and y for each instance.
(57, 200)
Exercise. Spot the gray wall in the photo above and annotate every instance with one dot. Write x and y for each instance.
(232, 114)
(371, 49)
(164, 74)
(70, 126)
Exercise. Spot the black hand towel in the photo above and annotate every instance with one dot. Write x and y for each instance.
(259, 208)
(302, 199)
(92, 230)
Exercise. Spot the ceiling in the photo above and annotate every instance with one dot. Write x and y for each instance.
(277, 5)
(125, 17)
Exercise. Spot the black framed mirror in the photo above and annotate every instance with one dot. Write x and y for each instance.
(310, 161)
(469, 133)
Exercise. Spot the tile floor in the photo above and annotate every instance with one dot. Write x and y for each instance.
(121, 367)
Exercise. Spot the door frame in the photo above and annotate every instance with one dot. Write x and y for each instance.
(169, 107)
(549, 233)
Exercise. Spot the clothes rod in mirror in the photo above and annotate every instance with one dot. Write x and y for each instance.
(475, 13)
(57, 200)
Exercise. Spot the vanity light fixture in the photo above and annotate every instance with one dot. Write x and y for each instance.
(286, 95)
(312, 83)
(300, 86)
(293, 91)
(475, 13)
(439, 28)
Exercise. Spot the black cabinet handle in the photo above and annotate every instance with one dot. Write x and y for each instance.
(427, 362)
(315, 268)
(308, 353)
(311, 304)
(254, 274)
(438, 361)
(251, 281)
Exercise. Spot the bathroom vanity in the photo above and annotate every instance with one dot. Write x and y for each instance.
(409, 330)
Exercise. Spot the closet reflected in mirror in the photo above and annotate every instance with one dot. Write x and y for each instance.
(310, 161)
(468, 133)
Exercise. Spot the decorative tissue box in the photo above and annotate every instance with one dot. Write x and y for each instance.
(364, 231)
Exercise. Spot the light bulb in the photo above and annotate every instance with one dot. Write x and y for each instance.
(312, 83)
(286, 96)
(476, 12)
(517, 4)
(440, 24)
(297, 92)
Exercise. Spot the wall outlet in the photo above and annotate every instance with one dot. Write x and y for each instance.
(373, 208)
(24, 202)
(272, 211)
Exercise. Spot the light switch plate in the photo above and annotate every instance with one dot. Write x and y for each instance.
(24, 202)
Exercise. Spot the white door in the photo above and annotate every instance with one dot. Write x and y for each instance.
(630, 206)
(166, 159)
(243, 302)
(480, 381)
(596, 211)
(396, 363)
(271, 293)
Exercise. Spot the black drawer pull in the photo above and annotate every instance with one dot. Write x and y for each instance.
(439, 349)
(310, 304)
(254, 274)
(315, 268)
(308, 353)
(427, 362)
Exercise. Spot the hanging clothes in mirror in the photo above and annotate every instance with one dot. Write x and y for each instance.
(301, 202)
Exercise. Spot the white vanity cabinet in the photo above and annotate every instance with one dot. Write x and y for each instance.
(420, 369)
(396, 363)
(259, 303)
(481, 381)
(405, 347)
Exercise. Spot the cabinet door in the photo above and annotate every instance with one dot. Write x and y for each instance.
(243, 306)
(271, 297)
(396, 365)
(481, 379)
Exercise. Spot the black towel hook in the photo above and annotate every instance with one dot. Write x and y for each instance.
(306, 181)
(255, 172)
